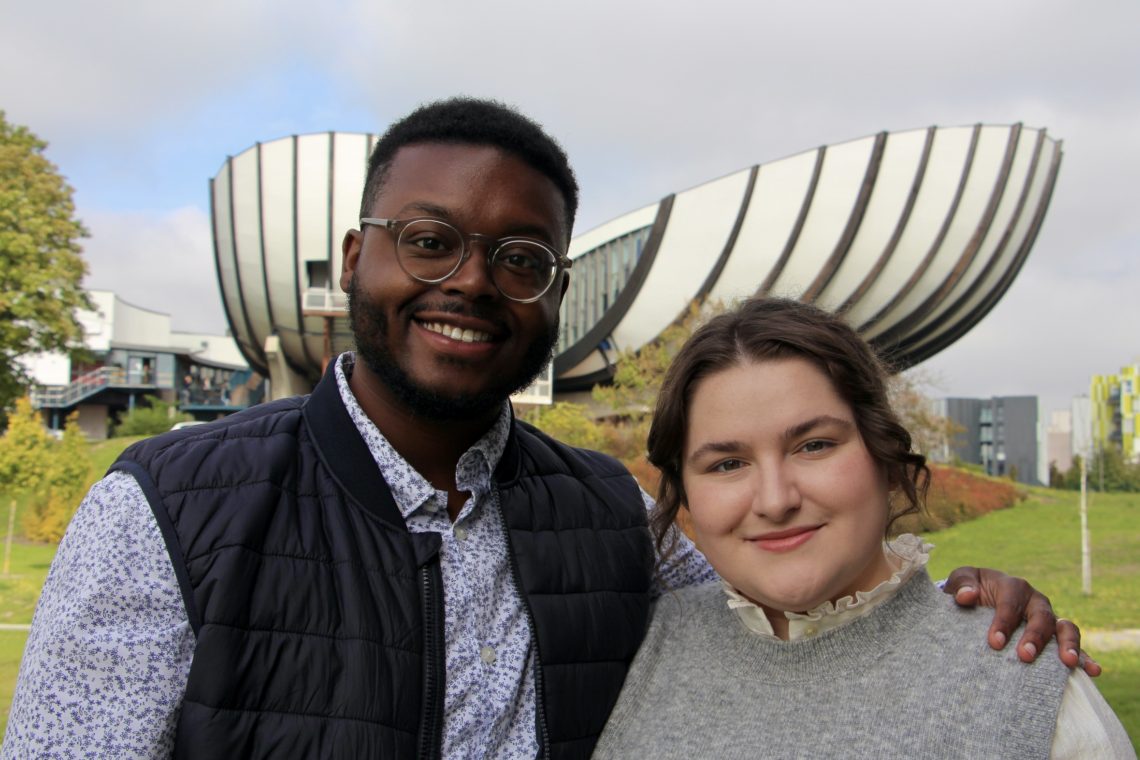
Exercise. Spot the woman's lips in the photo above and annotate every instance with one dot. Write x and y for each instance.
(786, 540)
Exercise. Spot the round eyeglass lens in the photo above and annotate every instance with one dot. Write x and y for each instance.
(522, 269)
(429, 250)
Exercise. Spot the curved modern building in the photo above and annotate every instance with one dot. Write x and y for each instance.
(913, 235)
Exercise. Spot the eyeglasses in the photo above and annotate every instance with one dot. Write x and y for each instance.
(431, 250)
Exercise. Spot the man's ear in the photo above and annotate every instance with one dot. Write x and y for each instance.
(350, 250)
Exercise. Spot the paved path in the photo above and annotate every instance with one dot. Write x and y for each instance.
(1128, 638)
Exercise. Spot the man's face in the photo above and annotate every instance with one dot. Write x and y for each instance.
(455, 349)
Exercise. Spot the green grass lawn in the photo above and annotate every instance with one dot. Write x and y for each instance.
(18, 594)
(11, 649)
(104, 453)
(20, 589)
(1040, 540)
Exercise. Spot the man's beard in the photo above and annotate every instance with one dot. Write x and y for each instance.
(370, 331)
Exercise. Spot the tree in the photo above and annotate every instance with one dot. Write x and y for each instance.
(70, 473)
(1108, 470)
(929, 431)
(41, 269)
(25, 451)
(50, 476)
(637, 380)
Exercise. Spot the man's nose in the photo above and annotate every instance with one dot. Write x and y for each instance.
(473, 278)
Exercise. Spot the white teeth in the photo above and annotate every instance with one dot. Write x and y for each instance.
(456, 333)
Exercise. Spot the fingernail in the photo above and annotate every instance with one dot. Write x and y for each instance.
(1000, 638)
(1075, 653)
(1030, 649)
(966, 590)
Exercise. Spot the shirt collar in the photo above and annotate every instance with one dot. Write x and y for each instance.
(907, 553)
(410, 490)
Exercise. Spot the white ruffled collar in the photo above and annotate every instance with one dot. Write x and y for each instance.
(908, 553)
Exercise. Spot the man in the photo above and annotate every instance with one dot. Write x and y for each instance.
(392, 566)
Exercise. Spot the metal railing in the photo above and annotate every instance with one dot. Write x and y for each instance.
(85, 386)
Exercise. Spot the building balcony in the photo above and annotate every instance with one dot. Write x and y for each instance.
(104, 378)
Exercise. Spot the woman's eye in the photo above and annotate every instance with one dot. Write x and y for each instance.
(728, 465)
(815, 447)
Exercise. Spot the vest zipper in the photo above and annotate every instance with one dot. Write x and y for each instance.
(539, 703)
(431, 720)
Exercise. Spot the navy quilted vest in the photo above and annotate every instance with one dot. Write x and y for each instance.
(318, 616)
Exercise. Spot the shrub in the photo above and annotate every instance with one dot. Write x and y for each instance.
(956, 496)
(569, 423)
(152, 417)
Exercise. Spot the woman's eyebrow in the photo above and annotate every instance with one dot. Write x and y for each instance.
(714, 447)
(802, 428)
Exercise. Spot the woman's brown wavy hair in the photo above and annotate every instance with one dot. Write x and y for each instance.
(765, 329)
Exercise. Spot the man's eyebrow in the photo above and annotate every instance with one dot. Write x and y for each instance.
(427, 209)
(795, 431)
(715, 447)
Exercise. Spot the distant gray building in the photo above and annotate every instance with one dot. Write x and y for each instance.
(998, 433)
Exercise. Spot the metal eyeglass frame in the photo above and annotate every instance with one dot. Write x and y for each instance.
(494, 245)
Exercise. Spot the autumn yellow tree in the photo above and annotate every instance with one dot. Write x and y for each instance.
(51, 476)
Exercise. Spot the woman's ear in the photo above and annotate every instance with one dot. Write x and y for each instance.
(891, 481)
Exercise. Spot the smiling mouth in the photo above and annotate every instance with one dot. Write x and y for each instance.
(457, 333)
(786, 540)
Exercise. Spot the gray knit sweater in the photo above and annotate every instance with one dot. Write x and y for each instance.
(913, 679)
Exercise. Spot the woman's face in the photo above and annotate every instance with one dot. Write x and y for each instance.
(786, 502)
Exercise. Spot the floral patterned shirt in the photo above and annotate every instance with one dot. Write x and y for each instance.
(110, 649)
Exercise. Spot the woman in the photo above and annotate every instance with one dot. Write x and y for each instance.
(773, 429)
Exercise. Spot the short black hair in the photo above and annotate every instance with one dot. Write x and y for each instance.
(474, 121)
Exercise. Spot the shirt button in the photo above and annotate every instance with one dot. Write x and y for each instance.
(487, 655)
(431, 507)
(811, 630)
(461, 534)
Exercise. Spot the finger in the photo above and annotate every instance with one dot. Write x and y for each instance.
(1069, 643)
(1089, 665)
(1040, 626)
(963, 584)
(1011, 599)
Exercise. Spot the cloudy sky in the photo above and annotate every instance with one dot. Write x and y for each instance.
(142, 102)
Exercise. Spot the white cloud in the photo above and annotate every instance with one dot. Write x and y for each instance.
(163, 263)
(114, 70)
(1047, 337)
